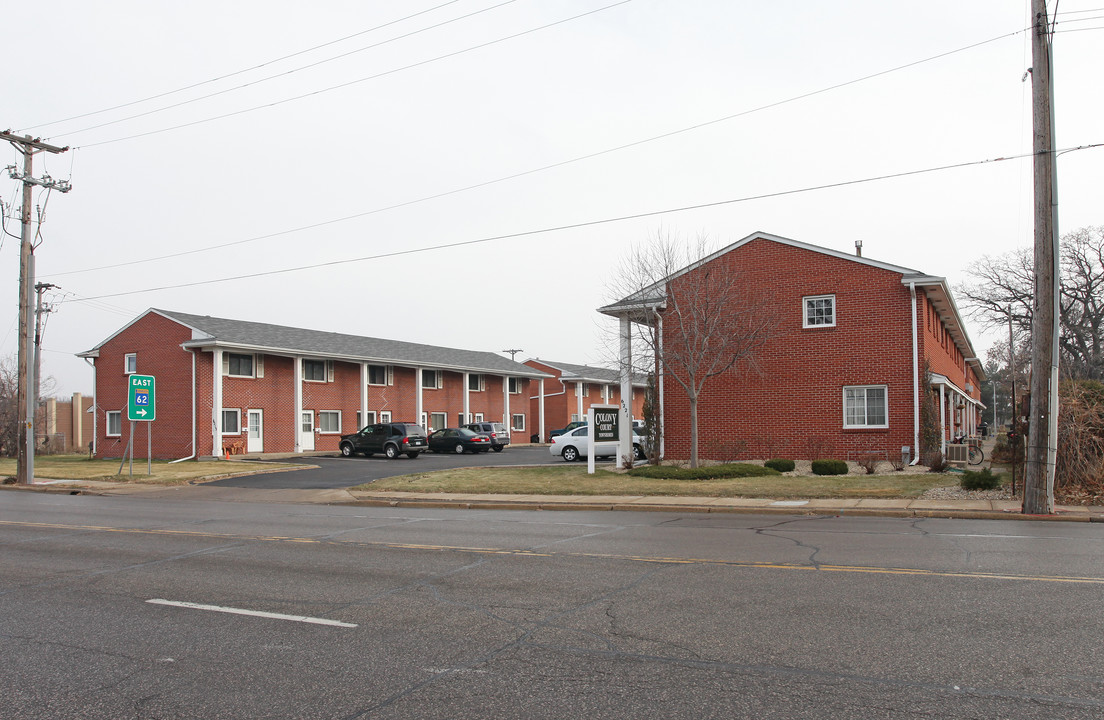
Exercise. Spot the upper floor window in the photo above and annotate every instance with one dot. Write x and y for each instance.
(514, 385)
(130, 363)
(865, 407)
(238, 364)
(314, 370)
(820, 311)
(380, 375)
(475, 382)
(431, 379)
(114, 422)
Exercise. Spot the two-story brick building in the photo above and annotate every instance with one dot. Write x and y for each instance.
(574, 388)
(843, 373)
(234, 386)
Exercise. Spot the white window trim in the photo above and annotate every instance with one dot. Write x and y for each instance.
(479, 382)
(443, 415)
(226, 365)
(384, 417)
(126, 363)
(388, 377)
(327, 370)
(885, 394)
(513, 424)
(478, 417)
(805, 311)
(107, 423)
(438, 379)
(330, 432)
(222, 425)
(517, 385)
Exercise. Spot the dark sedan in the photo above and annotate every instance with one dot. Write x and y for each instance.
(459, 440)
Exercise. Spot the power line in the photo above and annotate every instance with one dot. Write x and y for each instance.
(573, 226)
(289, 72)
(551, 166)
(358, 81)
(240, 72)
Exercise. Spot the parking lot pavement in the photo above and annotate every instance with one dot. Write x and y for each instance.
(334, 471)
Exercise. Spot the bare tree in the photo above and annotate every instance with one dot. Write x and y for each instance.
(1008, 282)
(694, 315)
(10, 422)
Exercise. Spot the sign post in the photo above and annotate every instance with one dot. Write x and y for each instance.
(142, 407)
(603, 426)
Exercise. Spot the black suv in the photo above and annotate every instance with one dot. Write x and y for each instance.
(391, 439)
(500, 436)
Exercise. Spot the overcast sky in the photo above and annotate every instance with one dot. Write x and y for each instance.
(287, 135)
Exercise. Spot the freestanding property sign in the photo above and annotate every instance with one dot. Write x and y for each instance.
(141, 405)
(603, 426)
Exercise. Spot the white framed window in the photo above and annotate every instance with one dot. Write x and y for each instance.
(820, 311)
(476, 383)
(130, 363)
(514, 385)
(380, 375)
(360, 421)
(478, 417)
(238, 365)
(432, 379)
(329, 421)
(865, 406)
(574, 417)
(114, 423)
(437, 421)
(518, 422)
(231, 421)
(314, 370)
(385, 417)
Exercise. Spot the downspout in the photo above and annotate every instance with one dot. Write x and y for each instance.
(95, 420)
(915, 382)
(194, 428)
(659, 384)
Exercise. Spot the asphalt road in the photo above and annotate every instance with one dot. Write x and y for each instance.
(513, 614)
(339, 472)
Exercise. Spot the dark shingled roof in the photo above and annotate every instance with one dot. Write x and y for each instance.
(589, 373)
(280, 339)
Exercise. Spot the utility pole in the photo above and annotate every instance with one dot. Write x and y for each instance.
(512, 353)
(28, 146)
(39, 324)
(1042, 421)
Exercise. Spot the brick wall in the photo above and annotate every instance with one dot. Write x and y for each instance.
(791, 403)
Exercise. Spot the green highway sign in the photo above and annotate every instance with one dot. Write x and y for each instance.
(140, 402)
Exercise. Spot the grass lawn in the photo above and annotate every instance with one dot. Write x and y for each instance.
(573, 480)
(79, 467)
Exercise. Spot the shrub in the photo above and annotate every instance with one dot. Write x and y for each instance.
(980, 480)
(780, 465)
(829, 467)
(711, 472)
(868, 461)
(935, 461)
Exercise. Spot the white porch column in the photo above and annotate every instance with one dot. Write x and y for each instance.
(943, 419)
(625, 446)
(297, 378)
(418, 397)
(579, 399)
(605, 394)
(363, 394)
(467, 399)
(540, 410)
(506, 402)
(216, 402)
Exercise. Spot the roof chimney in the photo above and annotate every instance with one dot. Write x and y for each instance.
(858, 248)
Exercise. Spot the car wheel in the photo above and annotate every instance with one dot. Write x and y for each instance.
(412, 455)
(639, 452)
(570, 454)
(346, 450)
(459, 449)
(497, 448)
(391, 452)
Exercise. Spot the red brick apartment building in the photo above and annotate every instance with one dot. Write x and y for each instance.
(844, 371)
(579, 387)
(235, 386)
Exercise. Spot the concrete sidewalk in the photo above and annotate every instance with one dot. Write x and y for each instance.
(893, 507)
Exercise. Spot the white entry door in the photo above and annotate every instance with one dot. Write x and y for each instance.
(306, 431)
(255, 439)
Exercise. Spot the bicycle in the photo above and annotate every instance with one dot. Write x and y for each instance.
(976, 455)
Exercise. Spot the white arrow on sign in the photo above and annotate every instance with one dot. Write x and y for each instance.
(140, 412)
